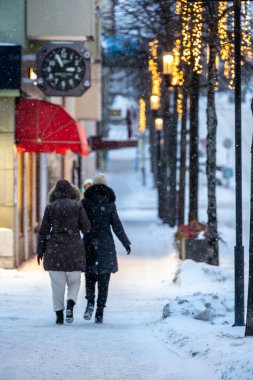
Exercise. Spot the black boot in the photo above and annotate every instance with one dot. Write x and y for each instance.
(89, 310)
(69, 311)
(59, 317)
(99, 315)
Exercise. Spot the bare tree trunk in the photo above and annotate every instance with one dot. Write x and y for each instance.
(194, 139)
(172, 211)
(181, 198)
(212, 236)
(164, 207)
(249, 318)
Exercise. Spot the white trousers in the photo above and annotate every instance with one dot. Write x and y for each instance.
(59, 280)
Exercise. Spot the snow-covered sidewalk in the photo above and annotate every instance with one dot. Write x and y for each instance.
(122, 348)
(135, 342)
(125, 346)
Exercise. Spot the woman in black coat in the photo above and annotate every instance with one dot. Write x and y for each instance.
(61, 246)
(101, 257)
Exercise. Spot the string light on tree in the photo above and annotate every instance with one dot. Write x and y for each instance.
(197, 35)
(180, 104)
(192, 33)
(153, 68)
(142, 116)
(226, 38)
(179, 6)
(246, 43)
(186, 36)
(217, 65)
(178, 75)
(223, 30)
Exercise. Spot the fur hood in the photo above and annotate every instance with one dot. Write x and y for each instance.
(100, 193)
(63, 189)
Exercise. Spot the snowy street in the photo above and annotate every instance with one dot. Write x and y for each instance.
(124, 347)
(134, 342)
(126, 159)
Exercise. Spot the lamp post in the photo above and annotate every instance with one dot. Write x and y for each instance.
(160, 184)
(170, 134)
(168, 68)
(142, 130)
(249, 319)
(158, 124)
(154, 106)
(239, 249)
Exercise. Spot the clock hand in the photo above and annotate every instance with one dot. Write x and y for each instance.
(70, 69)
(58, 58)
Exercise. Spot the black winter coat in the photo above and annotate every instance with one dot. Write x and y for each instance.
(59, 237)
(99, 204)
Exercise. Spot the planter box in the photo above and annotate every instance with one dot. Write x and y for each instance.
(194, 249)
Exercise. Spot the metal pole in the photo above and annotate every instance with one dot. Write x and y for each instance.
(173, 202)
(182, 174)
(169, 179)
(43, 183)
(159, 179)
(79, 171)
(153, 147)
(249, 318)
(143, 139)
(239, 249)
(166, 154)
(16, 211)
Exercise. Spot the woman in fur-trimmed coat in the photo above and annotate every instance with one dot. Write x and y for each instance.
(101, 257)
(61, 246)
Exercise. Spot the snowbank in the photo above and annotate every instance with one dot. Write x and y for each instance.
(197, 321)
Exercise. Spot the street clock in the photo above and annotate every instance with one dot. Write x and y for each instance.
(63, 69)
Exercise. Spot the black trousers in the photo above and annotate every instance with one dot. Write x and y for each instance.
(103, 285)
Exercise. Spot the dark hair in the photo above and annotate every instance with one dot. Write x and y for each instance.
(63, 189)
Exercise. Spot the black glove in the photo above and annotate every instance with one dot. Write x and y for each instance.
(39, 258)
(128, 249)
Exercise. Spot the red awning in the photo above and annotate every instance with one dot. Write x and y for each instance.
(44, 127)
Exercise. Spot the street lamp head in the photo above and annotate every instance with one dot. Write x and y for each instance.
(154, 102)
(159, 124)
(168, 68)
(168, 59)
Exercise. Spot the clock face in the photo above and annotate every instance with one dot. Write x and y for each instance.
(63, 69)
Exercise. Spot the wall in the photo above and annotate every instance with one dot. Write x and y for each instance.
(12, 30)
(12, 25)
(88, 163)
(66, 20)
(6, 181)
(88, 106)
(6, 161)
(45, 20)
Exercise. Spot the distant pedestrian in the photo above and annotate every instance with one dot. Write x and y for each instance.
(101, 258)
(129, 123)
(61, 247)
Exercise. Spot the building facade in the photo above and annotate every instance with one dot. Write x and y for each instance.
(26, 176)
